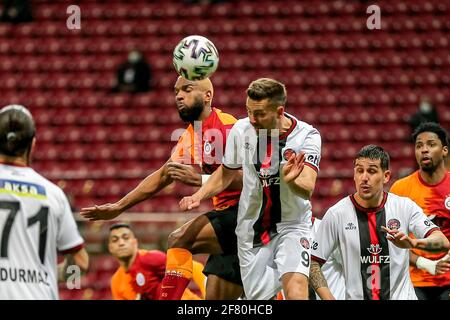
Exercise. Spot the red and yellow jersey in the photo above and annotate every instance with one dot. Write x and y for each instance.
(143, 278)
(205, 147)
(435, 202)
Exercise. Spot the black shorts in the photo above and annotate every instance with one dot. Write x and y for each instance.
(433, 293)
(225, 266)
(224, 223)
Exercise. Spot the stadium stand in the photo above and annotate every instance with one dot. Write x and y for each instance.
(355, 85)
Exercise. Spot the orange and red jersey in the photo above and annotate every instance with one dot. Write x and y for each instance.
(435, 202)
(144, 276)
(205, 147)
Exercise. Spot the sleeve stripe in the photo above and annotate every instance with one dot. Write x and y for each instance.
(312, 166)
(317, 259)
(74, 249)
(230, 167)
(431, 231)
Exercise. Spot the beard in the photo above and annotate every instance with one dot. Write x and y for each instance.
(431, 167)
(192, 113)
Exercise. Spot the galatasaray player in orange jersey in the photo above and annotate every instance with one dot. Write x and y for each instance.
(201, 145)
(429, 187)
(141, 272)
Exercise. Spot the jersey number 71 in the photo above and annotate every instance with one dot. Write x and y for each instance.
(41, 216)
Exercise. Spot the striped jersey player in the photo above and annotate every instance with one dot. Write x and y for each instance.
(35, 217)
(279, 156)
(375, 265)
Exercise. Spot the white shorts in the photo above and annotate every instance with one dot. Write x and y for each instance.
(263, 267)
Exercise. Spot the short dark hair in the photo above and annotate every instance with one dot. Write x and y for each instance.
(431, 127)
(266, 88)
(374, 152)
(119, 225)
(17, 130)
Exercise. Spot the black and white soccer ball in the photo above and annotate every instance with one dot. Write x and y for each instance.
(195, 58)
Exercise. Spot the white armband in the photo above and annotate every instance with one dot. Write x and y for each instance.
(205, 178)
(427, 264)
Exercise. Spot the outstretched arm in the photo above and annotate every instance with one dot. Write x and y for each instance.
(435, 242)
(219, 181)
(145, 190)
(184, 173)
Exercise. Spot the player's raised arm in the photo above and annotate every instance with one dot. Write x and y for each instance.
(301, 179)
(300, 171)
(435, 242)
(219, 181)
(145, 190)
(184, 173)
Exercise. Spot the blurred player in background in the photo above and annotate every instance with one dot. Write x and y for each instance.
(141, 272)
(35, 218)
(429, 187)
(274, 219)
(375, 265)
(212, 232)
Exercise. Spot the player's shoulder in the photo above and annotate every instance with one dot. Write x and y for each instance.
(304, 128)
(52, 187)
(142, 252)
(224, 117)
(117, 276)
(404, 182)
(308, 129)
(339, 208)
(242, 124)
(151, 256)
(396, 199)
(29, 176)
(152, 252)
(342, 204)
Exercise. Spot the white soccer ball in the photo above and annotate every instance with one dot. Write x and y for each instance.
(195, 58)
